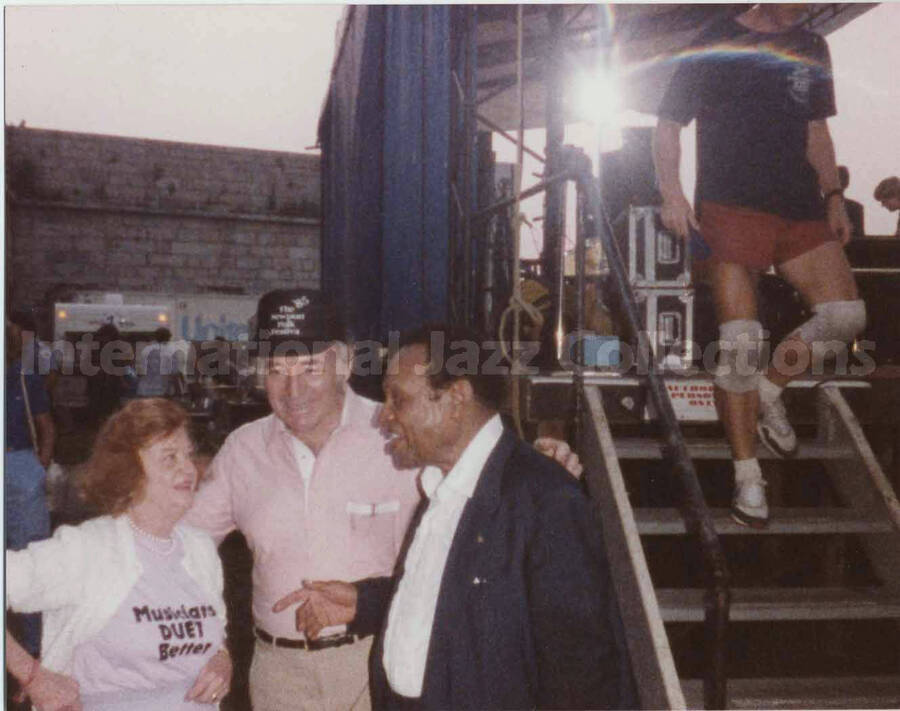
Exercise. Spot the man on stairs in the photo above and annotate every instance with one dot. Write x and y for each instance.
(768, 193)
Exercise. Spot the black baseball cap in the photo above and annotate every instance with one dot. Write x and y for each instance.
(294, 321)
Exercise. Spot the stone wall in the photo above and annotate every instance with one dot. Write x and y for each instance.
(122, 214)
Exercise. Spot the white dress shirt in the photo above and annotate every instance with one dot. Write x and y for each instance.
(411, 616)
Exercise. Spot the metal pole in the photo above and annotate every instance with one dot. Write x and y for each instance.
(458, 216)
(516, 390)
(485, 235)
(540, 187)
(508, 136)
(580, 258)
(469, 165)
(555, 199)
(697, 517)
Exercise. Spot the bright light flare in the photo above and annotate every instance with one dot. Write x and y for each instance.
(598, 102)
(598, 96)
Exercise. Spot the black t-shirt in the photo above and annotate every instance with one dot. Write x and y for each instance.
(753, 95)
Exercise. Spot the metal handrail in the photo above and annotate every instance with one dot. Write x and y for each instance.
(697, 517)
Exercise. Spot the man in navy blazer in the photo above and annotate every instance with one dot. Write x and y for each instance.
(503, 596)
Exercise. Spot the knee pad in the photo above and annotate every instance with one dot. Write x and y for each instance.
(740, 345)
(834, 321)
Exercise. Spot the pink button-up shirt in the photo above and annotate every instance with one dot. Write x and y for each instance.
(347, 523)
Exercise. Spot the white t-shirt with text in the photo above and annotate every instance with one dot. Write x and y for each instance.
(150, 653)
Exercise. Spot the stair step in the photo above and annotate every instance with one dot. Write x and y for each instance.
(718, 449)
(758, 604)
(669, 522)
(851, 692)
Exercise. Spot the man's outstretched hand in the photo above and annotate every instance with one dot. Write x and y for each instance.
(322, 603)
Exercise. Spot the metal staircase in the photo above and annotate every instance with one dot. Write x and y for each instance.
(704, 578)
(662, 620)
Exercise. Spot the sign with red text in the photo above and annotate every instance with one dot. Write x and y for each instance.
(692, 400)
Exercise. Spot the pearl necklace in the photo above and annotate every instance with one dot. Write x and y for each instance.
(158, 544)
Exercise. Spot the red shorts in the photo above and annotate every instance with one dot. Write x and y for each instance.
(758, 239)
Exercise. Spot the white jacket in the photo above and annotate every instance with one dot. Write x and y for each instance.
(82, 575)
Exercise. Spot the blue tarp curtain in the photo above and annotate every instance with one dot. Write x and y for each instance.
(385, 196)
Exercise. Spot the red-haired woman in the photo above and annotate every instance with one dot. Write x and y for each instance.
(132, 600)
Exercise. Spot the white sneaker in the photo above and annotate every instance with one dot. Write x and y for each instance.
(749, 507)
(775, 430)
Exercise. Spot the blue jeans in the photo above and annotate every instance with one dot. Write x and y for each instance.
(27, 520)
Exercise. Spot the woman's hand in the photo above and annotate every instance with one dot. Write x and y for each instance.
(214, 680)
(560, 451)
(47, 690)
(50, 691)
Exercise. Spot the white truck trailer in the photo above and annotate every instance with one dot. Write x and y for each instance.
(190, 318)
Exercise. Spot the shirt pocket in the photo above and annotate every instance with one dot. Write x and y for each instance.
(373, 534)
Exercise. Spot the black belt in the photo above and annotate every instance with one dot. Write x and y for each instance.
(310, 645)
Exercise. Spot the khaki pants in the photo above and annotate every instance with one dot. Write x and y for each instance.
(335, 679)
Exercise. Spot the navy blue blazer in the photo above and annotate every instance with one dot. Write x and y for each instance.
(526, 615)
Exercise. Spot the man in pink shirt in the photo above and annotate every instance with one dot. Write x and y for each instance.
(317, 498)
